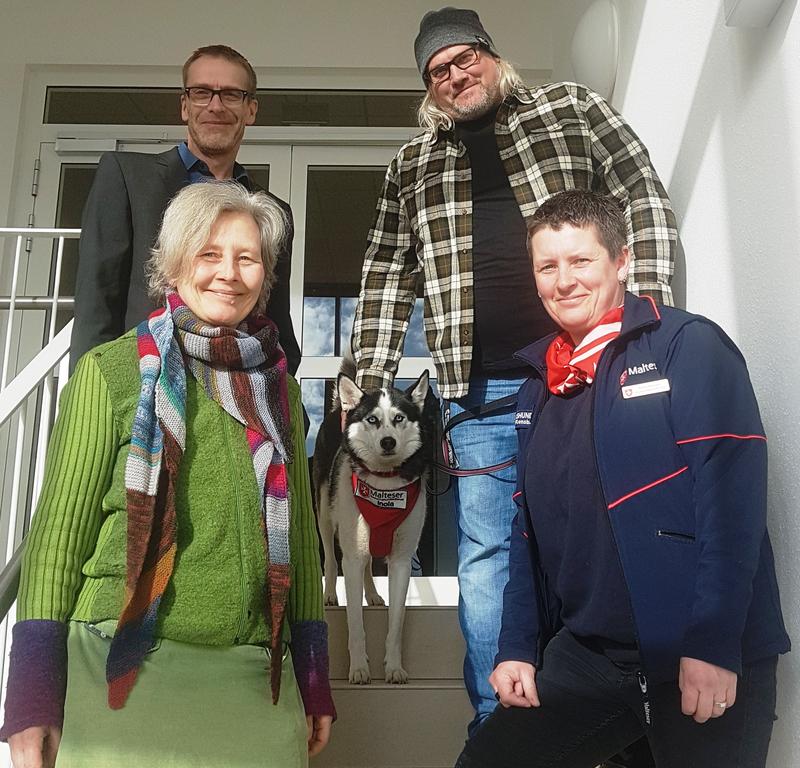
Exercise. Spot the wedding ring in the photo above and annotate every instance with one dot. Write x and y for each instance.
(721, 704)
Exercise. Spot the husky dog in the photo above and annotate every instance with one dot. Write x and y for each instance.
(370, 463)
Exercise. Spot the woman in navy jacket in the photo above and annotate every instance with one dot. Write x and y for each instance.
(642, 595)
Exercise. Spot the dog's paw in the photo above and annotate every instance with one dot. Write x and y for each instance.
(375, 599)
(359, 675)
(331, 599)
(396, 676)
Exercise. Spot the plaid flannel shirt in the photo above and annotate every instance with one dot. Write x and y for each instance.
(557, 137)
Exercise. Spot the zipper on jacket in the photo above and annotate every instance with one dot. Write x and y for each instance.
(242, 626)
(640, 676)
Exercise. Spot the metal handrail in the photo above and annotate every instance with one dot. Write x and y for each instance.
(25, 235)
(14, 395)
(34, 372)
(15, 402)
(9, 580)
(41, 232)
(37, 302)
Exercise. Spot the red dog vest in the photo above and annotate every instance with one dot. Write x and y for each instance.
(383, 511)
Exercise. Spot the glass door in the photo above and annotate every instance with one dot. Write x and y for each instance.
(334, 191)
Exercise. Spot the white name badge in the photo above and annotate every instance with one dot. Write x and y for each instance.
(384, 499)
(645, 388)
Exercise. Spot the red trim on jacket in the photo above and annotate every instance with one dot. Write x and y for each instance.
(646, 487)
(655, 306)
(715, 437)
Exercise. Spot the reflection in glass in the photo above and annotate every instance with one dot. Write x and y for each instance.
(415, 344)
(313, 393)
(340, 204)
(348, 313)
(319, 317)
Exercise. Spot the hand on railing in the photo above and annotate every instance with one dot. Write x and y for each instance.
(35, 747)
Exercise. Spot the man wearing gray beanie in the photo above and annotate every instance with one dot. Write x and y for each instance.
(452, 214)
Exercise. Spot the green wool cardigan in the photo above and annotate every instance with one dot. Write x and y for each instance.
(75, 559)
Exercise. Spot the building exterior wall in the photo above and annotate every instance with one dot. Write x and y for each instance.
(718, 109)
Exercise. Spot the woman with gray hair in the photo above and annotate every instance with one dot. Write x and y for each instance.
(173, 556)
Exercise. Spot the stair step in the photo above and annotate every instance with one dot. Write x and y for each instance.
(422, 723)
(379, 684)
(433, 648)
(397, 726)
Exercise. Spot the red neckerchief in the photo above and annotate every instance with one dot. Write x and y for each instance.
(383, 511)
(570, 367)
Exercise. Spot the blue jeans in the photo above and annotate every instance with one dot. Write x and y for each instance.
(484, 510)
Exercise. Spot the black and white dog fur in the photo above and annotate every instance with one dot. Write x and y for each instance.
(385, 437)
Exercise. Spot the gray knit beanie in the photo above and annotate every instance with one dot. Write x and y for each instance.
(449, 26)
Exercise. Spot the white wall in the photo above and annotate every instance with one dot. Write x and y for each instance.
(720, 112)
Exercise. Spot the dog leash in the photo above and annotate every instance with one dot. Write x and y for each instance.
(484, 409)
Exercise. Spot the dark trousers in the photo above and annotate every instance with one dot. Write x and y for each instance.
(592, 708)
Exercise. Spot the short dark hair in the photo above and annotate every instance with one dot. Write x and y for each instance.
(223, 52)
(582, 209)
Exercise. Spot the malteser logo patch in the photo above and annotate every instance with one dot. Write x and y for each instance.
(383, 499)
(635, 370)
(631, 386)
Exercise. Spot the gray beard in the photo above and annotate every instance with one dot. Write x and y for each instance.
(490, 97)
(487, 101)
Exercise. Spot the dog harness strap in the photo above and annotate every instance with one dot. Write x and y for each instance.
(384, 511)
(483, 409)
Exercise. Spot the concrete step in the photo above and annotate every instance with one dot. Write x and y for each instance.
(397, 726)
(418, 725)
(433, 648)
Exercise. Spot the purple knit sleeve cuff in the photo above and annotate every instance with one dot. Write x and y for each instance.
(310, 660)
(37, 677)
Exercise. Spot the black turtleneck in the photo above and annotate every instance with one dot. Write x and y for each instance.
(508, 313)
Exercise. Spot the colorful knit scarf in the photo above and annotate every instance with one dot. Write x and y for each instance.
(570, 367)
(244, 371)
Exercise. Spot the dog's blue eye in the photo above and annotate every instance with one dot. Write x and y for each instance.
(398, 418)
(372, 420)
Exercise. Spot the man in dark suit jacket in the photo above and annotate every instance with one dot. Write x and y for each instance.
(123, 213)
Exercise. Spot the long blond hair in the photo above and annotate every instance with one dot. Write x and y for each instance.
(432, 118)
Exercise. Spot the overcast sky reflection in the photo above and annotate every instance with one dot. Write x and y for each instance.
(319, 328)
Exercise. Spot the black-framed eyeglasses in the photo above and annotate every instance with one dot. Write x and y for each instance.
(230, 97)
(441, 72)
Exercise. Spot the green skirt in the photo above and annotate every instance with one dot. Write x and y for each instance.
(192, 706)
